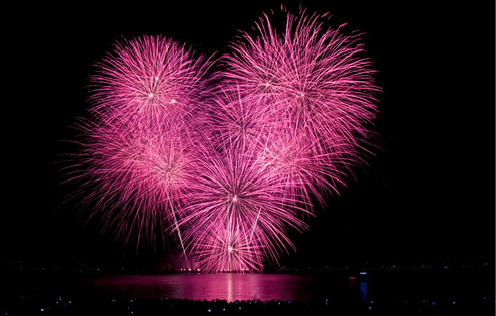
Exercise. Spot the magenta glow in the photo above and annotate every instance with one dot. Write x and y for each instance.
(227, 162)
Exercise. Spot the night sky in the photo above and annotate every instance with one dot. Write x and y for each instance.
(427, 193)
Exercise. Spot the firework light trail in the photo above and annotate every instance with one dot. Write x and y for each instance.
(238, 207)
(312, 79)
(138, 145)
(227, 168)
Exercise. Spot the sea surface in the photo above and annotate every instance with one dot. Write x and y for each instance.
(413, 291)
(426, 286)
(229, 287)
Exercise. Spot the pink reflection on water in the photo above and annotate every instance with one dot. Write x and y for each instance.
(230, 287)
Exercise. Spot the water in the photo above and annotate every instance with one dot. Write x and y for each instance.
(425, 287)
(437, 292)
(229, 287)
(264, 287)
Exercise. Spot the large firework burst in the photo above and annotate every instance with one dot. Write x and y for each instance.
(138, 145)
(237, 209)
(229, 167)
(151, 78)
(316, 82)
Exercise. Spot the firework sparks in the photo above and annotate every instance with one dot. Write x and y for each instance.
(137, 147)
(136, 178)
(228, 167)
(238, 205)
(314, 80)
(151, 78)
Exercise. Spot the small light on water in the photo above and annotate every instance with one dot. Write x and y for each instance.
(209, 310)
(370, 307)
(433, 303)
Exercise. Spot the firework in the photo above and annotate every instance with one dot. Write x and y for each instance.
(237, 208)
(149, 79)
(228, 167)
(318, 85)
(137, 148)
(134, 179)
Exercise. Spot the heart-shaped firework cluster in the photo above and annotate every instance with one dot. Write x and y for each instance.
(226, 160)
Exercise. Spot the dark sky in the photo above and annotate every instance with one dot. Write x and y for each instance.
(428, 192)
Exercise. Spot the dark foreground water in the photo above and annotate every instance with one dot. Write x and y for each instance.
(229, 287)
(249, 294)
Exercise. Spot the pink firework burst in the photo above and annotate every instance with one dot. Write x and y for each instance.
(149, 78)
(135, 179)
(228, 248)
(315, 80)
(228, 167)
(138, 146)
(286, 154)
(237, 210)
